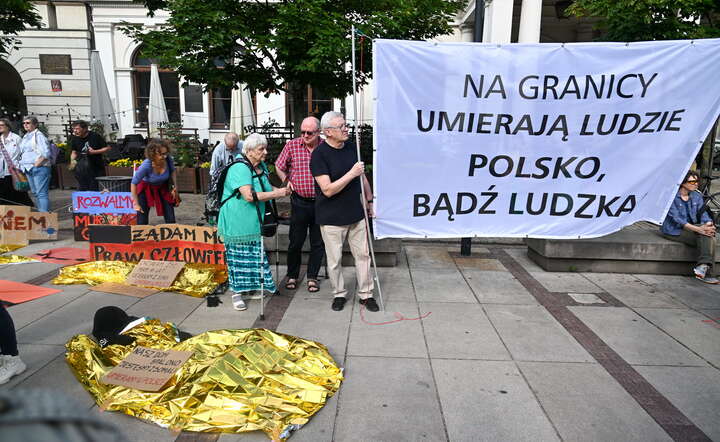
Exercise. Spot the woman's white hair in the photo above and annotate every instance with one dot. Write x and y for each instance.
(252, 142)
(327, 118)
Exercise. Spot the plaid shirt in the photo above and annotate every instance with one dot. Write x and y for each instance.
(295, 157)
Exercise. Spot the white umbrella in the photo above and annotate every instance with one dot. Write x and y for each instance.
(157, 113)
(101, 107)
(241, 110)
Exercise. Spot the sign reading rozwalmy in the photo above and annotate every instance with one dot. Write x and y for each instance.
(114, 208)
(537, 140)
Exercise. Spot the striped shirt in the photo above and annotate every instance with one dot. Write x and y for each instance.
(295, 158)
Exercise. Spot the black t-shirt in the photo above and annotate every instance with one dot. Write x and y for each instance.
(80, 145)
(344, 207)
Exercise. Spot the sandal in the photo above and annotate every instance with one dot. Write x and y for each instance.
(291, 284)
(312, 286)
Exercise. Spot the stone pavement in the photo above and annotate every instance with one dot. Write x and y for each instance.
(506, 352)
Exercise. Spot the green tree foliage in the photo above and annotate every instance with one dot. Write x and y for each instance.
(639, 20)
(15, 16)
(283, 45)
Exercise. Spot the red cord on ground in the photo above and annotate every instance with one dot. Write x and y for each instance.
(398, 315)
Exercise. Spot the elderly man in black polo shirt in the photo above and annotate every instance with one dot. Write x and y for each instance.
(339, 210)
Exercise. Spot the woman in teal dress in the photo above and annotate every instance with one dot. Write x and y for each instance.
(238, 222)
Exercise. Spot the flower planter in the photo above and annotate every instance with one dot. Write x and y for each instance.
(204, 176)
(66, 178)
(187, 180)
(118, 171)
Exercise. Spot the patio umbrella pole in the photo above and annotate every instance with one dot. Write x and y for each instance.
(362, 186)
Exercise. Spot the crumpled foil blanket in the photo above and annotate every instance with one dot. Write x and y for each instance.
(194, 279)
(235, 381)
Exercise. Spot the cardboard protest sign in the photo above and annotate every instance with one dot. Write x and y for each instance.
(115, 208)
(164, 242)
(81, 222)
(155, 273)
(102, 202)
(536, 140)
(19, 225)
(146, 368)
(124, 289)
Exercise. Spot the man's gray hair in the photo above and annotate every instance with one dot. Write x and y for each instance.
(253, 141)
(32, 119)
(327, 117)
(231, 136)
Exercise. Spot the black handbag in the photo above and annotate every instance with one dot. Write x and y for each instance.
(269, 223)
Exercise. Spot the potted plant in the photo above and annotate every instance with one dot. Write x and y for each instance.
(185, 157)
(121, 167)
(66, 178)
(204, 175)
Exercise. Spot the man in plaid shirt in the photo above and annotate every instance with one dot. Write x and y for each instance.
(293, 164)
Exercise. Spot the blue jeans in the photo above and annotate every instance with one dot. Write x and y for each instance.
(39, 179)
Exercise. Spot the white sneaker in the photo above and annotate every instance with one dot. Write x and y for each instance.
(701, 270)
(12, 365)
(238, 303)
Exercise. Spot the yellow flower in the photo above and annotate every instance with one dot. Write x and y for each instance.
(205, 165)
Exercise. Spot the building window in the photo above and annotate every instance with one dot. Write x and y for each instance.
(315, 102)
(220, 99)
(169, 82)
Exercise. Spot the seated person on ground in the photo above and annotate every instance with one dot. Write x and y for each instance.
(684, 223)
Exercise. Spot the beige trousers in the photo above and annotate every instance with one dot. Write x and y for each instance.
(334, 237)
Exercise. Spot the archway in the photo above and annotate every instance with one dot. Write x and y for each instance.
(12, 97)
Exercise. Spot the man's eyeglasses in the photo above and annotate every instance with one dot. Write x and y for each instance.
(343, 127)
(308, 132)
(27, 122)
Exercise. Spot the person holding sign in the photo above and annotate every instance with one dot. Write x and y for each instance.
(153, 185)
(339, 209)
(35, 162)
(684, 223)
(11, 142)
(239, 221)
(86, 156)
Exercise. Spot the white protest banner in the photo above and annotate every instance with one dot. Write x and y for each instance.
(537, 140)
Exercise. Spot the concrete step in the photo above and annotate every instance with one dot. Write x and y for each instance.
(631, 250)
(387, 251)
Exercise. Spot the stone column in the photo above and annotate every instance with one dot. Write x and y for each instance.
(498, 22)
(530, 16)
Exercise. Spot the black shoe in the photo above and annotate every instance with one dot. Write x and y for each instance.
(370, 304)
(338, 303)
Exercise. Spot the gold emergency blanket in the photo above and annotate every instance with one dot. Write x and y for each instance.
(15, 259)
(194, 279)
(4, 248)
(235, 381)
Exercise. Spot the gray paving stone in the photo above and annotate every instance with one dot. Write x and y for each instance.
(461, 331)
(326, 290)
(401, 339)
(428, 257)
(688, 327)
(498, 288)
(565, 282)
(520, 255)
(635, 339)
(585, 403)
(320, 427)
(441, 285)
(35, 357)
(25, 272)
(687, 290)
(388, 400)
(166, 306)
(586, 298)
(56, 375)
(250, 436)
(74, 318)
(134, 429)
(532, 334)
(27, 312)
(311, 318)
(396, 284)
(632, 291)
(489, 401)
(695, 391)
(222, 317)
